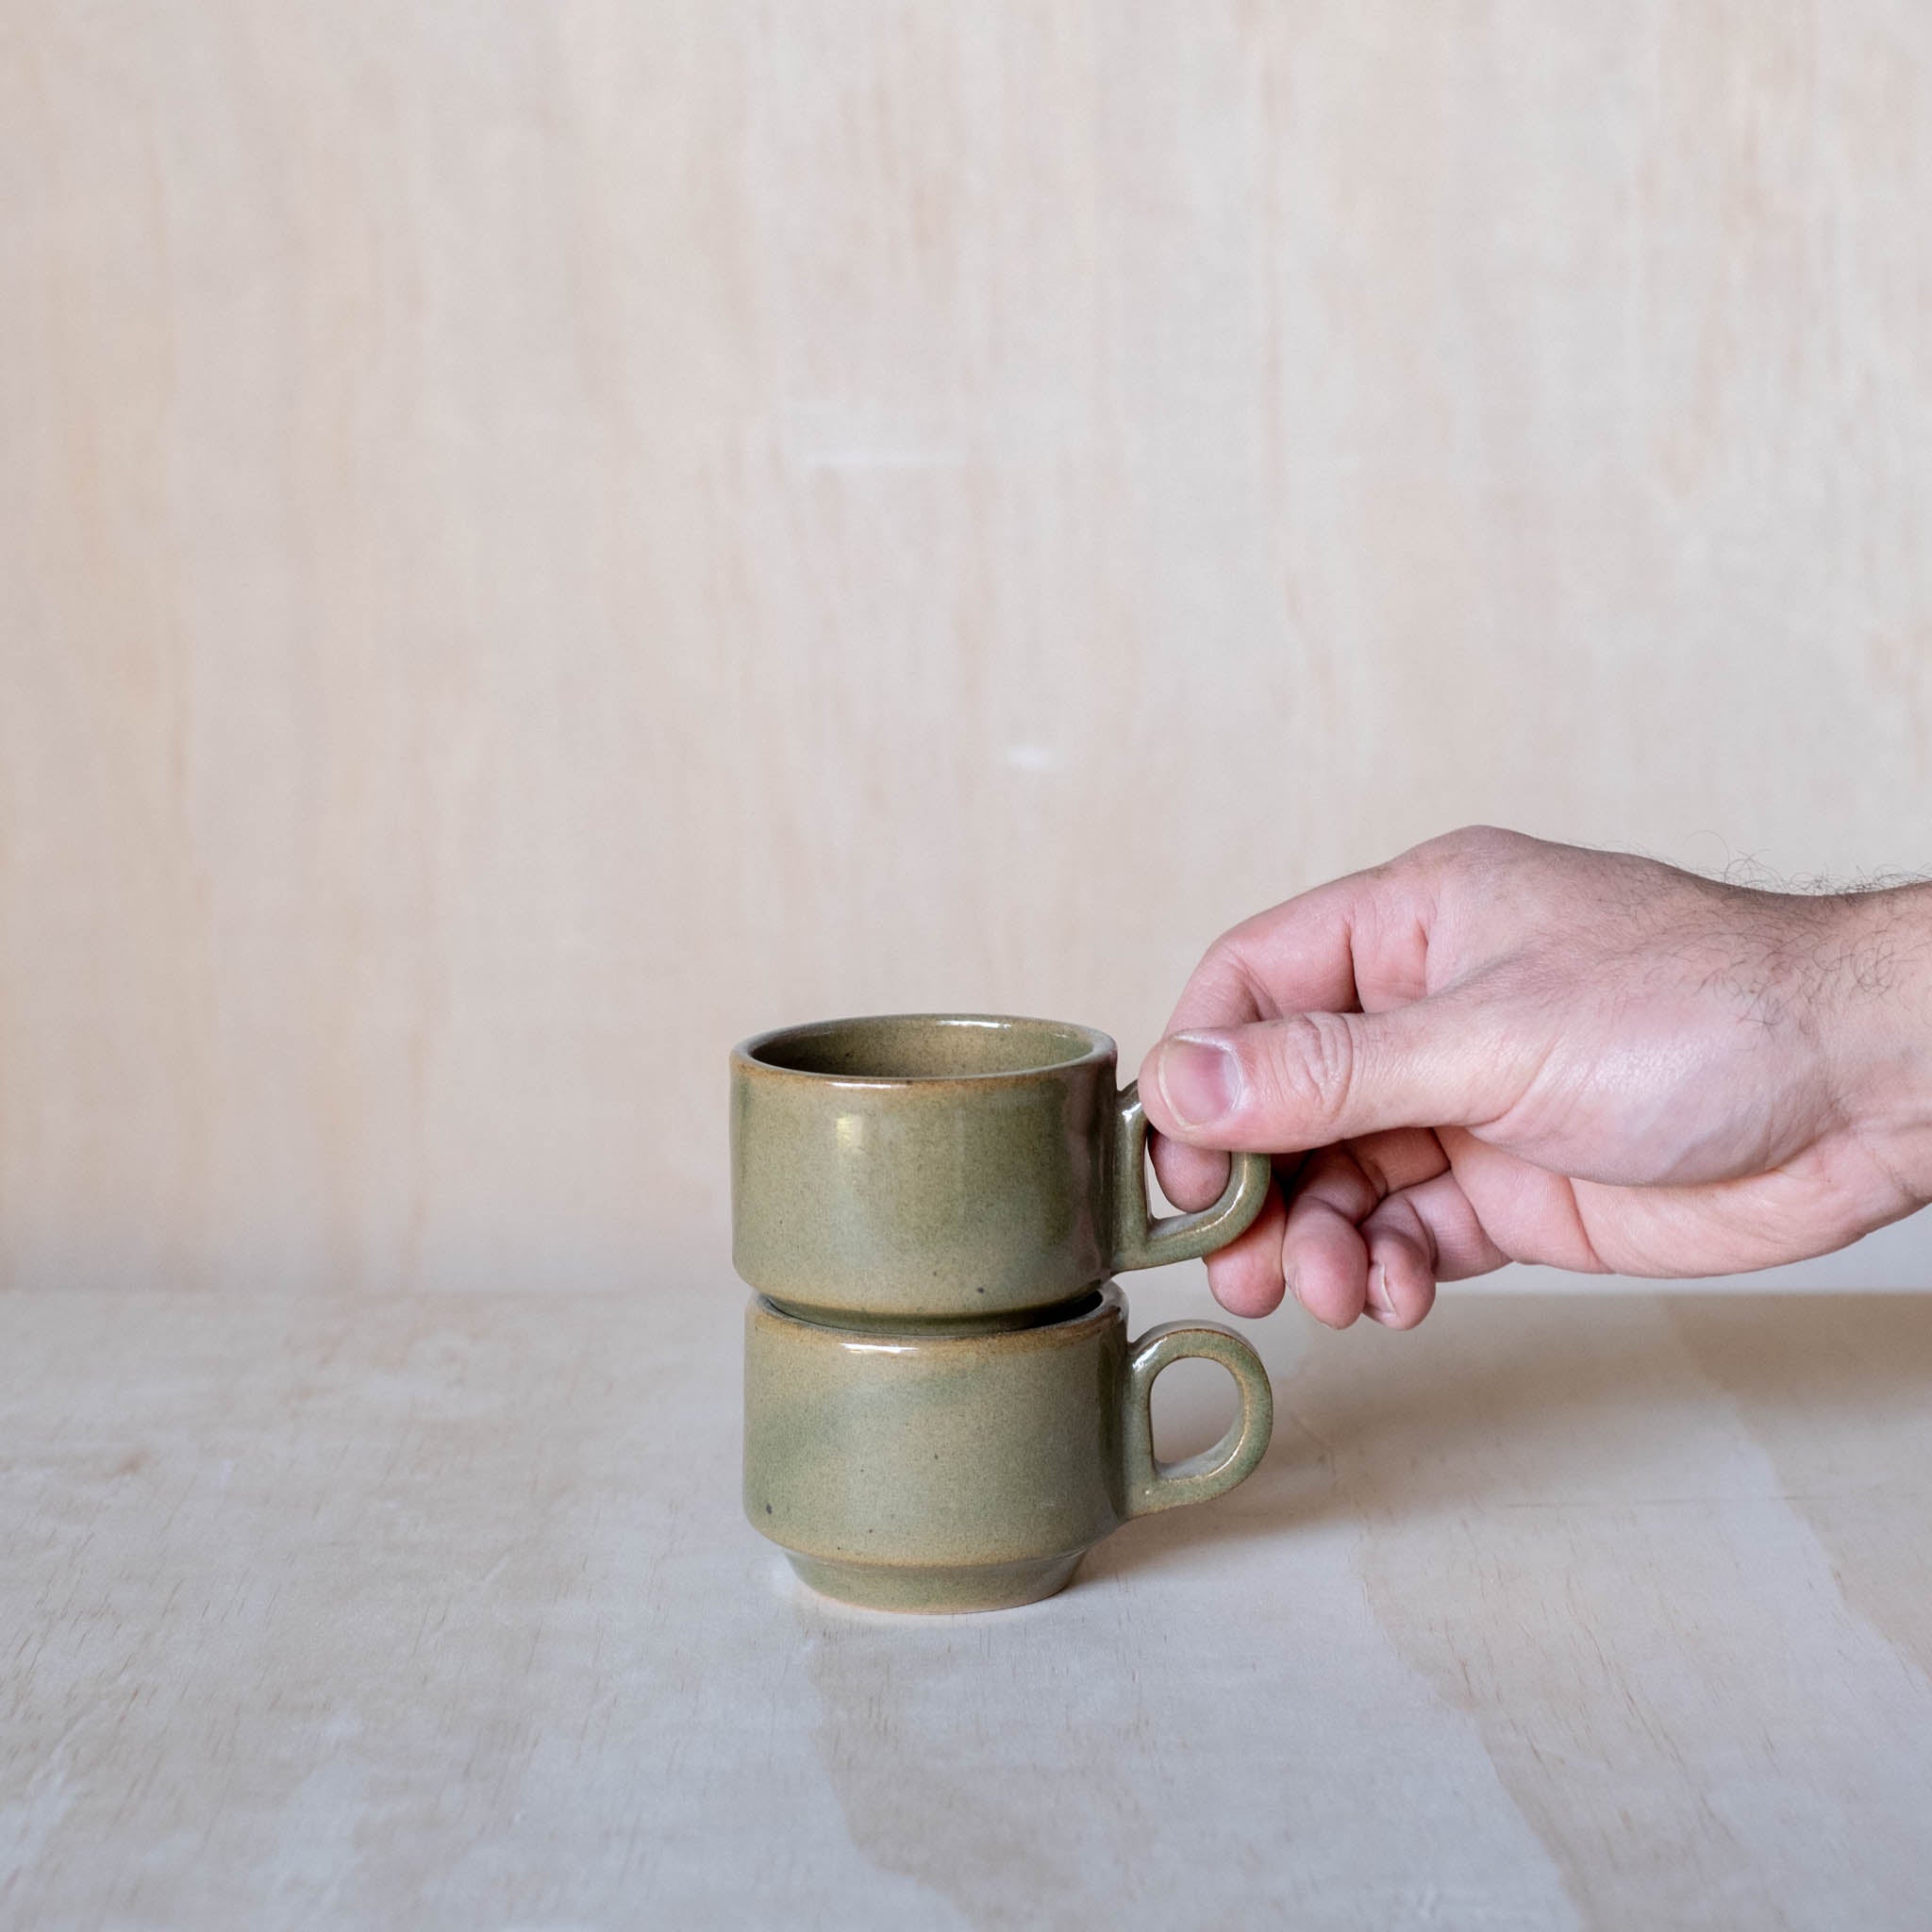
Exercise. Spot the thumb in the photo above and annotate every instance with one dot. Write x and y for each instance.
(1281, 1086)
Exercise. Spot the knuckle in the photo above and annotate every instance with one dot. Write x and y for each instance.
(1482, 844)
(1312, 1066)
(1222, 960)
(1213, 993)
(1472, 858)
(1229, 969)
(1468, 851)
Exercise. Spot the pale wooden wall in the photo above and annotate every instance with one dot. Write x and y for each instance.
(536, 539)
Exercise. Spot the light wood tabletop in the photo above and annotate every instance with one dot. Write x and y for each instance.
(438, 1612)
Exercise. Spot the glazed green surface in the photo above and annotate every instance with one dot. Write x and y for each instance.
(968, 1471)
(954, 1168)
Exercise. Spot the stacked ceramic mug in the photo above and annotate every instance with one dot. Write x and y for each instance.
(942, 1410)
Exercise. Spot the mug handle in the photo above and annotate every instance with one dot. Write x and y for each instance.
(1152, 1485)
(1141, 1241)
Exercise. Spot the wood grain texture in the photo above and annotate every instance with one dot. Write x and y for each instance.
(439, 1610)
(536, 540)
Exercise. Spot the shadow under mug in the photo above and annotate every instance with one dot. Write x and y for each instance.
(953, 1168)
(972, 1472)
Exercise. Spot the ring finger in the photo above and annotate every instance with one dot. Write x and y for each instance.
(1324, 1256)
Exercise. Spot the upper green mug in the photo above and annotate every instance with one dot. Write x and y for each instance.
(954, 1168)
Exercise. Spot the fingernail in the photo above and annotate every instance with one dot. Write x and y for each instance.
(1378, 1290)
(1200, 1078)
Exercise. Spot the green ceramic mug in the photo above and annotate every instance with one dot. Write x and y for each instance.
(972, 1472)
(948, 1167)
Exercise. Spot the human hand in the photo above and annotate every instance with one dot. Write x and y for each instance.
(1496, 1049)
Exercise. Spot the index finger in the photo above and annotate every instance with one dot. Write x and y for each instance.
(1295, 957)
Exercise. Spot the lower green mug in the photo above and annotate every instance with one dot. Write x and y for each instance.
(972, 1472)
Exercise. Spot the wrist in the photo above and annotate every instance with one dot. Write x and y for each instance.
(1882, 970)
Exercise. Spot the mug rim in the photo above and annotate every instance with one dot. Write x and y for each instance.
(1053, 1324)
(1070, 1327)
(1095, 1048)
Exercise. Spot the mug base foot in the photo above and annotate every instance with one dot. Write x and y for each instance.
(938, 1591)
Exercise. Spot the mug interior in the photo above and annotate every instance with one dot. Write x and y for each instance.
(927, 1046)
